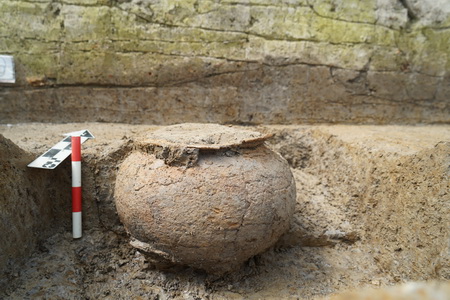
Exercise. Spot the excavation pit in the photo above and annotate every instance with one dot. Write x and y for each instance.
(371, 211)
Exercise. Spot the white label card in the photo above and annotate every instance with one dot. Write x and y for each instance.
(7, 74)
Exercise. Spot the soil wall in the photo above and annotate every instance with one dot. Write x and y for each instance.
(32, 205)
(372, 209)
(163, 62)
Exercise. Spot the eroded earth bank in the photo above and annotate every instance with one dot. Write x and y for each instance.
(372, 211)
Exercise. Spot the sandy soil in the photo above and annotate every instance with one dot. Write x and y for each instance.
(372, 210)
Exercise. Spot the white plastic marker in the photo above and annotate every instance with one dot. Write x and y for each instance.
(53, 157)
(7, 74)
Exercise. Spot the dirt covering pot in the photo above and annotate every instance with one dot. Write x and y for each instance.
(204, 195)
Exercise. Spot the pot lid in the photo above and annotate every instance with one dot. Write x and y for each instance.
(205, 136)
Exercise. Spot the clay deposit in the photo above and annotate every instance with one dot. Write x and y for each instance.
(241, 62)
(372, 210)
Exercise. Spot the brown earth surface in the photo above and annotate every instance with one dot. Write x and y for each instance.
(372, 211)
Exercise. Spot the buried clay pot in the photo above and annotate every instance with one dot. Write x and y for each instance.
(205, 195)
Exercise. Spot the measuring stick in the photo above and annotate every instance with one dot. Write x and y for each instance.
(76, 187)
(71, 144)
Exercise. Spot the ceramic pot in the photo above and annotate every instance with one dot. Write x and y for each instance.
(205, 195)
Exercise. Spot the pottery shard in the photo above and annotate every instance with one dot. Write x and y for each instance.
(213, 215)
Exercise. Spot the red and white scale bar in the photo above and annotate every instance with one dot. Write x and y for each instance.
(76, 187)
(53, 157)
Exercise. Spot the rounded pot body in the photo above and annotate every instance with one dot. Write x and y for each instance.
(214, 215)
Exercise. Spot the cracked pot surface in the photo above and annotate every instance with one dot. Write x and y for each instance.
(213, 214)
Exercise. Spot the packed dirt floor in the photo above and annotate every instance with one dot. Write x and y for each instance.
(373, 210)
